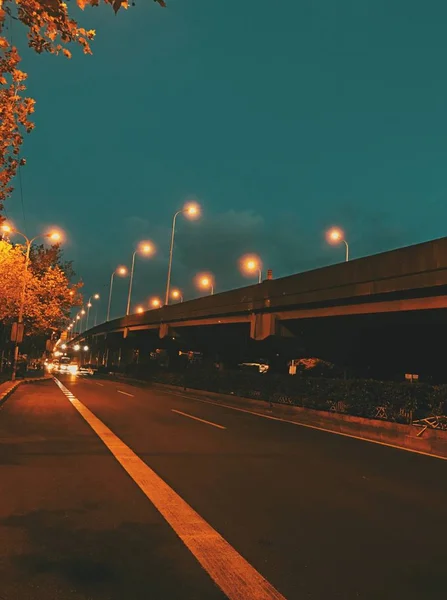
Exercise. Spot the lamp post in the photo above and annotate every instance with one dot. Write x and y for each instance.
(55, 236)
(155, 302)
(251, 264)
(206, 282)
(177, 295)
(192, 211)
(89, 305)
(118, 271)
(335, 236)
(146, 248)
(82, 313)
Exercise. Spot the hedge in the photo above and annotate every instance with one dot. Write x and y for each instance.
(399, 402)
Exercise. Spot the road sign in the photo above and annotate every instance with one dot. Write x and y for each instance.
(17, 332)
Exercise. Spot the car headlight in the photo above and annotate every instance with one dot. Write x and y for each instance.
(73, 369)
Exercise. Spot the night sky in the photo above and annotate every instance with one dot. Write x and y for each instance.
(280, 117)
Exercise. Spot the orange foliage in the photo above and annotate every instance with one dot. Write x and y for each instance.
(50, 29)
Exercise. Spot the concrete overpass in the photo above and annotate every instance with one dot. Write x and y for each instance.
(413, 278)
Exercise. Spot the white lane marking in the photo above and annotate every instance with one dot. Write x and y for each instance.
(226, 567)
(97, 383)
(179, 412)
(125, 393)
(349, 435)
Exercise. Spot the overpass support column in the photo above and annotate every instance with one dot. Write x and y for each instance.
(262, 325)
(164, 330)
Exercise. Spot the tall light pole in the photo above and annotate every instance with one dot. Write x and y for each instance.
(118, 271)
(177, 295)
(145, 248)
(335, 236)
(89, 305)
(250, 264)
(206, 282)
(192, 211)
(56, 237)
(155, 303)
(82, 313)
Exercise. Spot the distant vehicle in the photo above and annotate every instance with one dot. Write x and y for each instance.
(68, 365)
(86, 370)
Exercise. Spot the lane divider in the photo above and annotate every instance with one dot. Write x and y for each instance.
(125, 393)
(179, 412)
(227, 568)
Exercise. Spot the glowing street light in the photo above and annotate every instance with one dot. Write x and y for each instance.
(146, 249)
(191, 210)
(54, 236)
(76, 347)
(336, 236)
(177, 295)
(122, 272)
(206, 282)
(251, 264)
(89, 305)
(155, 302)
(139, 310)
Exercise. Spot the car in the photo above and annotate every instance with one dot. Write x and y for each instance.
(85, 370)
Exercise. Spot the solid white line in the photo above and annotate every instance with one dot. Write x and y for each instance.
(125, 393)
(226, 567)
(179, 412)
(349, 435)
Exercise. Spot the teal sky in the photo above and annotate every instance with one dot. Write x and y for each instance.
(281, 118)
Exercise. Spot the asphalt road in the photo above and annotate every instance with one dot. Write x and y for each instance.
(317, 515)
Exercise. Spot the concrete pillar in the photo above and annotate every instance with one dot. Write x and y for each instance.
(164, 330)
(262, 325)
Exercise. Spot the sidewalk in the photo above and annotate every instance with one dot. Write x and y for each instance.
(8, 387)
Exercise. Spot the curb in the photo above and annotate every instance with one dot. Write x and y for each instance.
(14, 385)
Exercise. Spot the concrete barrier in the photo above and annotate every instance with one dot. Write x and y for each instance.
(429, 441)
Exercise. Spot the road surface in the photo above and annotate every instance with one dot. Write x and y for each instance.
(100, 481)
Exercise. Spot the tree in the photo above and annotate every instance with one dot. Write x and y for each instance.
(43, 257)
(49, 29)
(49, 293)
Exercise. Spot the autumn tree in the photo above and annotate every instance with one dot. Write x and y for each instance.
(49, 29)
(49, 296)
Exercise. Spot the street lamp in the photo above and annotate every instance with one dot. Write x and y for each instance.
(89, 305)
(155, 302)
(206, 282)
(122, 271)
(147, 249)
(82, 313)
(192, 211)
(335, 236)
(177, 295)
(139, 310)
(55, 236)
(250, 264)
